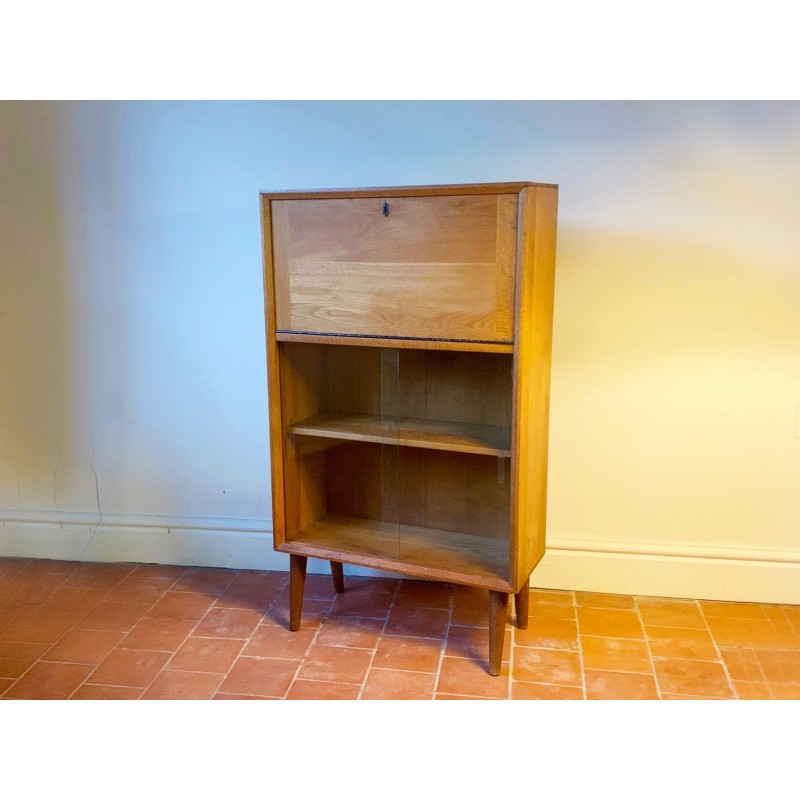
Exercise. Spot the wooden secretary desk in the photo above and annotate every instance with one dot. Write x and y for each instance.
(408, 351)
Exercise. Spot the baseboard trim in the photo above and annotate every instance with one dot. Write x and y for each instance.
(764, 575)
(668, 575)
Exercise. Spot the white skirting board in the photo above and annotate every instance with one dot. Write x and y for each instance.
(766, 576)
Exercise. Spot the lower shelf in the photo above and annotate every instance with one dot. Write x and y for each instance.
(423, 552)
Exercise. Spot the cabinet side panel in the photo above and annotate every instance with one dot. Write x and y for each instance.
(273, 378)
(534, 327)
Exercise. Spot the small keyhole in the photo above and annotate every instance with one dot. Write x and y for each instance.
(385, 209)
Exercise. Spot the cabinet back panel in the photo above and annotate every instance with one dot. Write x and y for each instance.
(457, 387)
(433, 267)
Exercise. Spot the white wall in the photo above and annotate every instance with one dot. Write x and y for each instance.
(133, 412)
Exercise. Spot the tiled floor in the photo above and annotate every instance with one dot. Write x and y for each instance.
(126, 631)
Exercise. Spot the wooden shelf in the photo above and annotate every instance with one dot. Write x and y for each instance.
(425, 552)
(428, 434)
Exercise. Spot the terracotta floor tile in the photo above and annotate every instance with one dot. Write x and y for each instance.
(314, 611)
(100, 575)
(554, 633)
(614, 623)
(129, 668)
(550, 611)
(15, 667)
(49, 681)
(159, 571)
(181, 605)
(725, 610)
(424, 594)
(656, 611)
(91, 691)
(408, 653)
(76, 599)
(779, 666)
(785, 691)
(178, 685)
(84, 647)
(762, 634)
(425, 622)
(393, 684)
(692, 643)
(206, 655)
(265, 677)
(362, 603)
(616, 655)
(322, 690)
(107, 616)
(211, 582)
(547, 666)
(470, 642)
(45, 631)
(609, 601)
(337, 664)
(742, 664)
(27, 651)
(255, 597)
(472, 608)
(682, 676)
(5, 683)
(464, 676)
(362, 632)
(521, 690)
(619, 686)
(158, 634)
(752, 690)
(228, 623)
(552, 597)
(139, 590)
(275, 641)
(774, 612)
(320, 587)
(230, 696)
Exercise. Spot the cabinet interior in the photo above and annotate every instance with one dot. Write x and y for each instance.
(399, 454)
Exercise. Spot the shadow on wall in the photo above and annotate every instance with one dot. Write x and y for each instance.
(676, 375)
(34, 332)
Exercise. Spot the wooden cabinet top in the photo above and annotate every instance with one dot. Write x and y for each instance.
(405, 191)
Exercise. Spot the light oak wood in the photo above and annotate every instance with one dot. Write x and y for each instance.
(521, 604)
(408, 343)
(408, 365)
(532, 355)
(432, 267)
(423, 552)
(456, 437)
(406, 191)
(273, 380)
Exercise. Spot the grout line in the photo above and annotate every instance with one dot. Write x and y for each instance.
(580, 645)
(719, 654)
(647, 645)
(310, 645)
(398, 583)
(438, 674)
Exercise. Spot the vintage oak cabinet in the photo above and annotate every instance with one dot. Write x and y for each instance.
(408, 344)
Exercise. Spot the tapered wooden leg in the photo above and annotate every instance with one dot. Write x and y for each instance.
(521, 605)
(498, 610)
(297, 584)
(338, 576)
